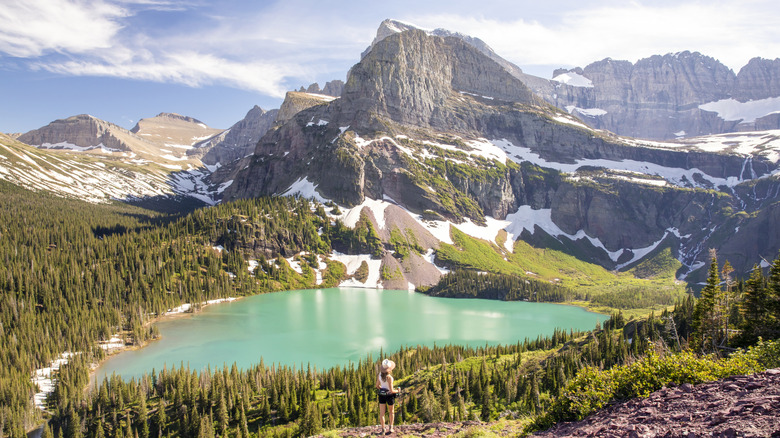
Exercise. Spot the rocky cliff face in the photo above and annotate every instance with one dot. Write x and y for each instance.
(238, 141)
(759, 79)
(82, 131)
(173, 133)
(670, 96)
(332, 88)
(659, 97)
(444, 131)
(414, 79)
(296, 101)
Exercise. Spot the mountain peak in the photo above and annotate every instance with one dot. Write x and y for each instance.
(410, 76)
(390, 27)
(176, 116)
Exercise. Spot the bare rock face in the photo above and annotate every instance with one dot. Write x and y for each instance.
(410, 78)
(759, 79)
(238, 141)
(295, 102)
(83, 131)
(331, 88)
(656, 98)
(661, 97)
(173, 131)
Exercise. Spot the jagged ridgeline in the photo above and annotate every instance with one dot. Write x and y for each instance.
(448, 133)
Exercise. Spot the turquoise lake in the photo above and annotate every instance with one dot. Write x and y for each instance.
(328, 327)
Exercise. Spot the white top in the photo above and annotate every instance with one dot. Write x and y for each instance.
(384, 384)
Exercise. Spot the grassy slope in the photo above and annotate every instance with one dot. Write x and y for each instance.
(652, 280)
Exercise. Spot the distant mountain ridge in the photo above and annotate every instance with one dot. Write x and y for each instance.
(675, 95)
(684, 94)
(82, 131)
(433, 133)
(434, 125)
(237, 141)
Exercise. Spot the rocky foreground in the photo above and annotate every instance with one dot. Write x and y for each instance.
(739, 406)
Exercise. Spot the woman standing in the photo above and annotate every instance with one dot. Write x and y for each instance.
(384, 383)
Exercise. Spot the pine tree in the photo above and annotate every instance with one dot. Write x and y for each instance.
(773, 298)
(222, 415)
(159, 420)
(143, 424)
(74, 424)
(708, 323)
(754, 306)
(244, 423)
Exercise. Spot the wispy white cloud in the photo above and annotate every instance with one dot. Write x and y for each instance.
(33, 27)
(270, 46)
(732, 32)
(187, 68)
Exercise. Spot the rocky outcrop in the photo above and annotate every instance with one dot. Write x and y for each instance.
(332, 88)
(238, 141)
(82, 131)
(411, 78)
(739, 406)
(173, 132)
(171, 118)
(296, 101)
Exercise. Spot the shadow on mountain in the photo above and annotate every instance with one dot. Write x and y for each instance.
(176, 205)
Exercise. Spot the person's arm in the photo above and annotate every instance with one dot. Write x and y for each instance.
(390, 384)
(378, 383)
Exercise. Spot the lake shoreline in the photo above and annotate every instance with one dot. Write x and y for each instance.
(173, 314)
(392, 331)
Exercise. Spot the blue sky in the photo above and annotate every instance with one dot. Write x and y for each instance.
(121, 60)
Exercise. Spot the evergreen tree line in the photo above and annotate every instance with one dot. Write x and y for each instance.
(441, 383)
(451, 383)
(733, 313)
(73, 273)
(464, 283)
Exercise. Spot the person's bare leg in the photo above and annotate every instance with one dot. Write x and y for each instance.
(382, 416)
(391, 414)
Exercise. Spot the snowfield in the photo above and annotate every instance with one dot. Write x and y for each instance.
(745, 112)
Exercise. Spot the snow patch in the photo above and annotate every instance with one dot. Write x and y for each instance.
(306, 189)
(351, 216)
(569, 121)
(429, 256)
(224, 186)
(295, 265)
(573, 80)
(44, 379)
(746, 112)
(590, 112)
(353, 262)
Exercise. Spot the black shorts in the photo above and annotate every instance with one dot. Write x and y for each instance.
(387, 398)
